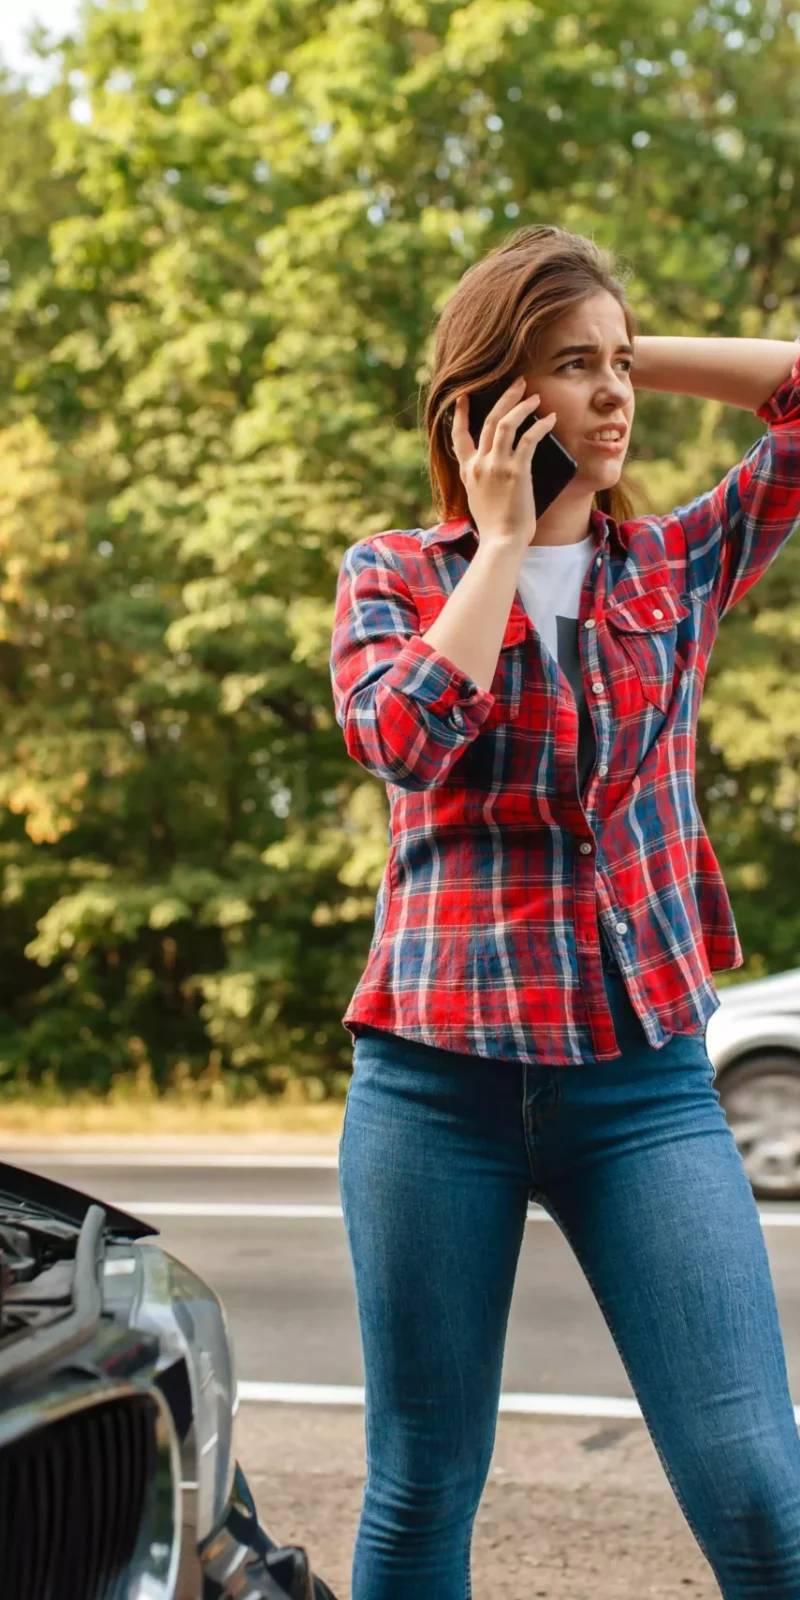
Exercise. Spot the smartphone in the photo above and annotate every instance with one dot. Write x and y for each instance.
(552, 466)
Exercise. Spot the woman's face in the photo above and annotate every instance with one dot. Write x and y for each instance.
(589, 390)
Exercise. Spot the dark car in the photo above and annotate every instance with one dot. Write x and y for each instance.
(117, 1398)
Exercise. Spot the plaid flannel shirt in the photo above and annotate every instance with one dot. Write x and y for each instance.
(499, 873)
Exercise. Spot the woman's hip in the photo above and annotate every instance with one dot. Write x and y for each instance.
(400, 1085)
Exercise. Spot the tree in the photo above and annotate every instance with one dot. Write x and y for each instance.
(226, 248)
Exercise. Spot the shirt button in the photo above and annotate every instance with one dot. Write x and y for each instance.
(457, 717)
(621, 927)
(586, 849)
(597, 688)
(590, 623)
(658, 614)
(601, 771)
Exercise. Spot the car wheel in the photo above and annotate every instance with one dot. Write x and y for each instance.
(761, 1100)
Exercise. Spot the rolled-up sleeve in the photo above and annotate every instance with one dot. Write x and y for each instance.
(406, 711)
(734, 531)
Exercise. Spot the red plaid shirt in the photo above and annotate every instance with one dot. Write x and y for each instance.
(499, 872)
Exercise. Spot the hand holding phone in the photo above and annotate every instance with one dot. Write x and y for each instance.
(496, 447)
(552, 467)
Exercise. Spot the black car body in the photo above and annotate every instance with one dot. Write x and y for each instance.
(117, 1398)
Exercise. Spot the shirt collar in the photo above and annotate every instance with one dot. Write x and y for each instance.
(601, 525)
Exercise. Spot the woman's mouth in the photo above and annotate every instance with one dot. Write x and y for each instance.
(614, 447)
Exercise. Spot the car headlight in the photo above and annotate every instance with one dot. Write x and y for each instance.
(188, 1317)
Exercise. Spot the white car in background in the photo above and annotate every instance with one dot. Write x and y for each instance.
(753, 1040)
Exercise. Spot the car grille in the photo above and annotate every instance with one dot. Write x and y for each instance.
(74, 1497)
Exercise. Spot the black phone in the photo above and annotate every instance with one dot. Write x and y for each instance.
(552, 466)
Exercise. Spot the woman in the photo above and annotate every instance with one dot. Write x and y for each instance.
(531, 1021)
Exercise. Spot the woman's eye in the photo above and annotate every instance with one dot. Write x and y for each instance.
(624, 360)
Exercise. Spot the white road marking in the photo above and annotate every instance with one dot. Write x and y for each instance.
(247, 1162)
(542, 1405)
(249, 1209)
(90, 1158)
(265, 1210)
(780, 1219)
(221, 1208)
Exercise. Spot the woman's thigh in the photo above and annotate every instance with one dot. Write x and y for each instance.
(644, 1177)
(434, 1184)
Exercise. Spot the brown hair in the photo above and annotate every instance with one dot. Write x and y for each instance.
(490, 329)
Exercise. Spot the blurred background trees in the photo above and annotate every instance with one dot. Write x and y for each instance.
(225, 236)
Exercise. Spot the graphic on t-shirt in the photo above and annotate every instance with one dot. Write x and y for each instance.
(570, 663)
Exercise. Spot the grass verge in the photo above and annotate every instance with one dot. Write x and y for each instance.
(117, 1115)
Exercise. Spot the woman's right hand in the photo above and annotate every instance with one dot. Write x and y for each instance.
(496, 476)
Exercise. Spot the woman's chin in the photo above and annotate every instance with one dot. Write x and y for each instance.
(602, 476)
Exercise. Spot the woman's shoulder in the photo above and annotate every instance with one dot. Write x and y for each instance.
(411, 552)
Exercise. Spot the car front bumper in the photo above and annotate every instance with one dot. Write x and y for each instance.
(239, 1560)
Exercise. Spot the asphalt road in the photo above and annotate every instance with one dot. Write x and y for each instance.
(287, 1286)
(576, 1505)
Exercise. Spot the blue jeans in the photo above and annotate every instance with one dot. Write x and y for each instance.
(439, 1157)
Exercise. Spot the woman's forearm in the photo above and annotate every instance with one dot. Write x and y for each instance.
(741, 372)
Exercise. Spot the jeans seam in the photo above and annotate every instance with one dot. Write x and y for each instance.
(665, 1464)
(535, 1188)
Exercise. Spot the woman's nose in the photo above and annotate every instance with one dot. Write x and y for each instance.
(614, 388)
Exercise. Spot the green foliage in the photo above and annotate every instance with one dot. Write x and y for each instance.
(226, 233)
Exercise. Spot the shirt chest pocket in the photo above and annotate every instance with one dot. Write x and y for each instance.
(644, 628)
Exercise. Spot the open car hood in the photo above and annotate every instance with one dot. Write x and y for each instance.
(62, 1201)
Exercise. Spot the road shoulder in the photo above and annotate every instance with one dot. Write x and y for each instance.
(572, 1509)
